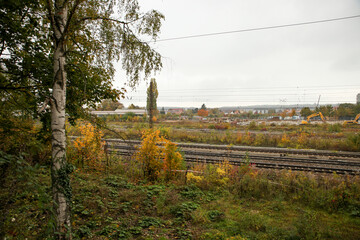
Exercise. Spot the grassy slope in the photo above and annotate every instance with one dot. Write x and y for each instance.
(110, 206)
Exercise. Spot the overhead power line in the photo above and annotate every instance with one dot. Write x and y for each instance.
(257, 29)
(277, 89)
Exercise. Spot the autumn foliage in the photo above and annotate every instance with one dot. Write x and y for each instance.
(203, 113)
(88, 149)
(158, 156)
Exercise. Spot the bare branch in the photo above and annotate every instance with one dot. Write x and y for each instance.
(102, 18)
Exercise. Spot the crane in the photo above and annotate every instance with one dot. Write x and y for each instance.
(307, 121)
(355, 121)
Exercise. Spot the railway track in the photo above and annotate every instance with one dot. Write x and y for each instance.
(271, 158)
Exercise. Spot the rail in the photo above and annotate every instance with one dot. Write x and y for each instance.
(261, 157)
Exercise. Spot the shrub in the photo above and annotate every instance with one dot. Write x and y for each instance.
(165, 132)
(88, 149)
(221, 126)
(149, 154)
(248, 139)
(334, 127)
(252, 125)
(260, 140)
(158, 156)
(353, 142)
(285, 141)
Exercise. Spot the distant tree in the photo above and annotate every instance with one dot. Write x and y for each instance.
(189, 113)
(272, 111)
(327, 110)
(214, 112)
(195, 110)
(203, 106)
(151, 106)
(357, 108)
(249, 115)
(162, 111)
(128, 116)
(109, 105)
(132, 106)
(203, 112)
(292, 112)
(305, 112)
(347, 110)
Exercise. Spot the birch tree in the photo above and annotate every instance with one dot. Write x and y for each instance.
(61, 53)
(89, 29)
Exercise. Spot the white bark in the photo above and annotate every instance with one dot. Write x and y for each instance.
(59, 164)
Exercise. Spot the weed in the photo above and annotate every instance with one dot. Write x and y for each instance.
(117, 182)
(216, 216)
(183, 211)
(182, 233)
(84, 232)
(307, 226)
(213, 234)
(334, 127)
(354, 142)
(146, 222)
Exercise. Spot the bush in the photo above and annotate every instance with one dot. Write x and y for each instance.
(334, 127)
(353, 142)
(252, 125)
(87, 151)
(158, 156)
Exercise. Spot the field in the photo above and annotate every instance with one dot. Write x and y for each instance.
(333, 136)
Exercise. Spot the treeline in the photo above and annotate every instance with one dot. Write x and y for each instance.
(343, 111)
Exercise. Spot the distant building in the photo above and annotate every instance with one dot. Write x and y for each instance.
(177, 111)
(358, 98)
(119, 112)
(261, 111)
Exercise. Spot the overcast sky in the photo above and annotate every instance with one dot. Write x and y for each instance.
(292, 65)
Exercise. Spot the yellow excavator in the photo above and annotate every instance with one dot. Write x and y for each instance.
(355, 121)
(307, 121)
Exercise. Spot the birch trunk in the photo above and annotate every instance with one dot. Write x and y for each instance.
(60, 180)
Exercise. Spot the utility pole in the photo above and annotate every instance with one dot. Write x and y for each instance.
(317, 105)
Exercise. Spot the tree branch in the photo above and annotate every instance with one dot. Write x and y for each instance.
(71, 14)
(102, 18)
(50, 14)
(2, 47)
(80, 48)
(15, 88)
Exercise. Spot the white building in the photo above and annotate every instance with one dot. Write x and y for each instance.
(119, 112)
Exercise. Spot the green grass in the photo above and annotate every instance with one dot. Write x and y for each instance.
(124, 206)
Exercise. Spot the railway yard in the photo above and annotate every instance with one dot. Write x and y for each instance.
(260, 157)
